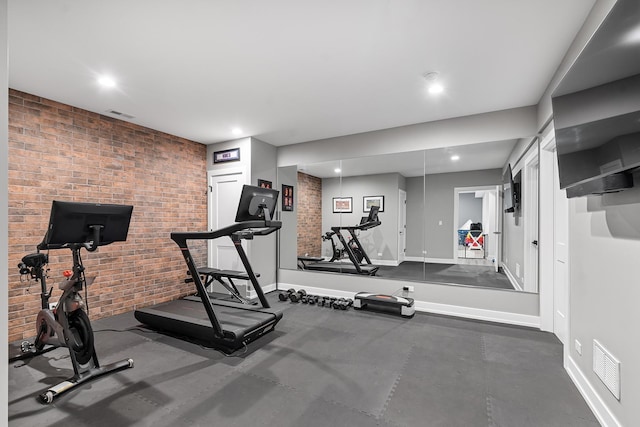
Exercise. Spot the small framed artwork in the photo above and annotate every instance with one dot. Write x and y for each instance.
(369, 201)
(342, 205)
(231, 155)
(263, 183)
(287, 198)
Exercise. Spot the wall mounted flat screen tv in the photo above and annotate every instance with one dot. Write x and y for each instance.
(511, 191)
(596, 109)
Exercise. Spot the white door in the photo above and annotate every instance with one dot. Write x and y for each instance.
(402, 225)
(560, 258)
(224, 196)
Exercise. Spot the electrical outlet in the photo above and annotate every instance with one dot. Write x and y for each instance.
(578, 347)
(440, 222)
(379, 253)
(411, 288)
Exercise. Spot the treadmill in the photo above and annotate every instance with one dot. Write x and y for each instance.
(355, 266)
(224, 325)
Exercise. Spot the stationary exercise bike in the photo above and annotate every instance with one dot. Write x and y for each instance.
(73, 226)
(339, 253)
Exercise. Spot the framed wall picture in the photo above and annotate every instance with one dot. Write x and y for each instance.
(287, 198)
(342, 204)
(231, 155)
(369, 201)
(263, 183)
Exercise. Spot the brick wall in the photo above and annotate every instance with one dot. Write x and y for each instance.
(309, 215)
(59, 152)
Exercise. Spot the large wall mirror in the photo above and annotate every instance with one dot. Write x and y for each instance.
(430, 216)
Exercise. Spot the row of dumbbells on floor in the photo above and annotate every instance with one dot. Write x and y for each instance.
(300, 296)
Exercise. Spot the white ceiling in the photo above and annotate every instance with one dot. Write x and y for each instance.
(289, 71)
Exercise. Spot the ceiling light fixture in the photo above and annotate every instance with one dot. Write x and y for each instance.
(106, 81)
(433, 85)
(236, 131)
(455, 157)
(337, 170)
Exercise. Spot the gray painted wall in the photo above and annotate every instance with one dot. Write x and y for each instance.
(288, 234)
(263, 249)
(4, 207)
(604, 244)
(469, 208)
(415, 217)
(439, 197)
(381, 242)
(257, 160)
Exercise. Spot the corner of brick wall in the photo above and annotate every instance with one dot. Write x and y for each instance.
(309, 215)
(59, 152)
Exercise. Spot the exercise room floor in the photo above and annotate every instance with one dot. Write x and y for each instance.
(321, 367)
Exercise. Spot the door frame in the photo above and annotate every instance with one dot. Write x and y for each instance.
(547, 240)
(531, 184)
(456, 203)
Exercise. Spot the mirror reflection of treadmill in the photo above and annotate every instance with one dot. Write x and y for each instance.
(353, 266)
(224, 325)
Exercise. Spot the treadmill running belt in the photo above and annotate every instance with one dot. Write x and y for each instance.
(342, 267)
(240, 323)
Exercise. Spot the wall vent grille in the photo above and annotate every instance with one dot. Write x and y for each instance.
(607, 368)
(120, 114)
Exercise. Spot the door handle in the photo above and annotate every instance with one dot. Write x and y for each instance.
(535, 242)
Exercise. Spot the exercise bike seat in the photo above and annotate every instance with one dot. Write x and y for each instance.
(36, 260)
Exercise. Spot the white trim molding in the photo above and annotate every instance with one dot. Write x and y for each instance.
(443, 309)
(594, 401)
(511, 277)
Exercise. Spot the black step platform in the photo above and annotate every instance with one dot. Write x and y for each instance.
(390, 303)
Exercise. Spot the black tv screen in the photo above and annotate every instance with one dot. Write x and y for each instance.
(510, 191)
(596, 109)
(254, 202)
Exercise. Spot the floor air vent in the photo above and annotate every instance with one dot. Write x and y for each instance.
(607, 368)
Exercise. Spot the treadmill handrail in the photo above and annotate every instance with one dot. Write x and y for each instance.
(267, 227)
(363, 226)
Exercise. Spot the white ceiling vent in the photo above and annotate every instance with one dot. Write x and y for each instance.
(607, 368)
(120, 115)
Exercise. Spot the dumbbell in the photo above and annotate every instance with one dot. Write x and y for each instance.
(340, 303)
(313, 299)
(297, 296)
(283, 296)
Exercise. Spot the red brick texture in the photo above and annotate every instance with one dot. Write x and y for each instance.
(309, 215)
(59, 152)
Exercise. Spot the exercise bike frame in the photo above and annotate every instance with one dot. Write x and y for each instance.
(53, 325)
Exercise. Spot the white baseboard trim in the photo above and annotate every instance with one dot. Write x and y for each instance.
(479, 314)
(597, 405)
(431, 260)
(444, 309)
(389, 262)
(265, 289)
(323, 292)
(511, 278)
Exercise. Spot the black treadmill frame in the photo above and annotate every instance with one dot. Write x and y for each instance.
(237, 232)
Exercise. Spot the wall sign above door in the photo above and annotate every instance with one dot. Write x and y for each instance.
(231, 155)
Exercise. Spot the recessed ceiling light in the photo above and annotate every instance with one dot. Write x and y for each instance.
(436, 88)
(433, 84)
(455, 157)
(106, 81)
(236, 131)
(337, 170)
